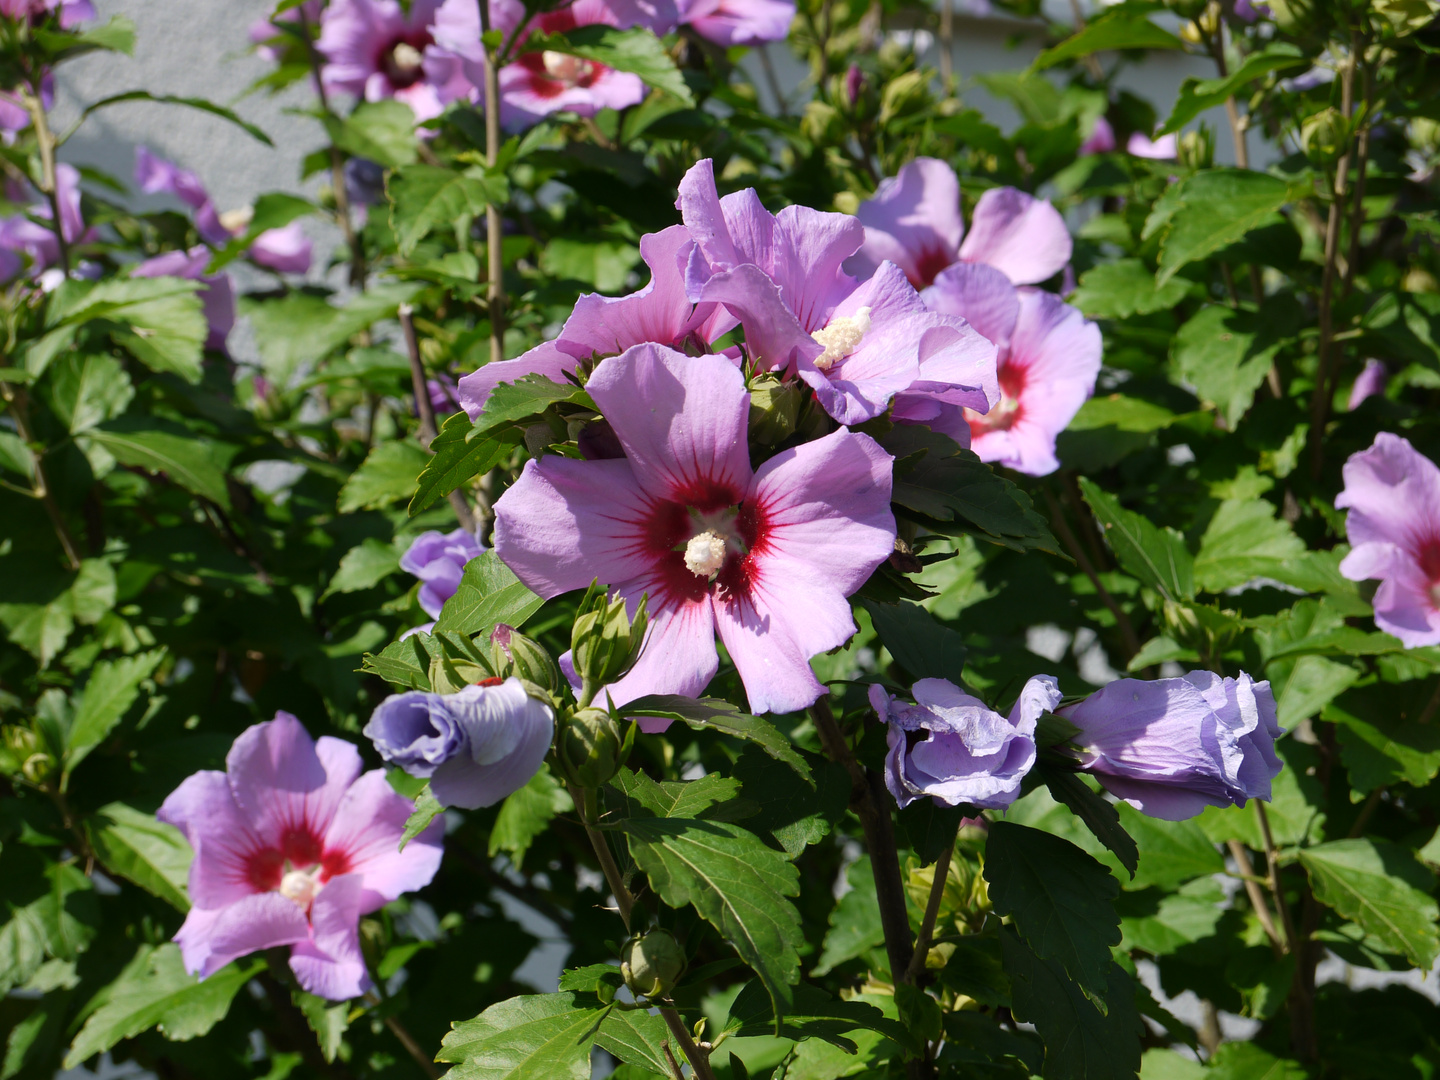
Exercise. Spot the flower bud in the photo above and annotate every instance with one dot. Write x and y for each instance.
(652, 963)
(1325, 135)
(589, 747)
(774, 406)
(23, 752)
(605, 641)
(528, 659)
(855, 83)
(1197, 148)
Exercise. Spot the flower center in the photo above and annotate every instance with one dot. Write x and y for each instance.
(841, 337)
(238, 220)
(1006, 412)
(300, 886)
(705, 554)
(563, 67)
(406, 58)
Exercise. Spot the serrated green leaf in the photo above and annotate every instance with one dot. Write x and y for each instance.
(1160, 924)
(327, 1019)
(527, 813)
(154, 990)
(489, 593)
(1123, 27)
(1098, 816)
(425, 197)
(527, 396)
(1158, 557)
(1197, 95)
(1225, 354)
(86, 389)
(525, 1038)
(815, 1015)
(92, 594)
(637, 50)
(58, 919)
(39, 629)
(1061, 899)
(1381, 887)
(722, 716)
(792, 813)
(160, 321)
(405, 662)
(736, 884)
(301, 328)
(1123, 288)
(677, 799)
(636, 1037)
(386, 476)
(920, 643)
(1246, 1061)
(1244, 540)
(383, 131)
(855, 924)
(1171, 852)
(364, 566)
(138, 848)
(427, 809)
(460, 451)
(111, 689)
(196, 464)
(1216, 208)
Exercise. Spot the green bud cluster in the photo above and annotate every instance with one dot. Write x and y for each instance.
(606, 641)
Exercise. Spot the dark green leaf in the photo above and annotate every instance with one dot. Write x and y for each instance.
(171, 99)
(1225, 354)
(526, 814)
(327, 1019)
(921, 644)
(386, 476)
(929, 827)
(855, 926)
(1123, 288)
(1121, 28)
(461, 451)
(405, 663)
(676, 799)
(111, 689)
(1216, 208)
(427, 809)
(60, 922)
(794, 814)
(815, 1015)
(1197, 95)
(198, 465)
(1158, 557)
(1099, 816)
(1171, 852)
(526, 397)
(636, 50)
(722, 716)
(426, 197)
(1383, 888)
(365, 565)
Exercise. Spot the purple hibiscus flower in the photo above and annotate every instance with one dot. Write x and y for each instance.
(1101, 139)
(285, 250)
(21, 236)
(1392, 493)
(955, 749)
(377, 50)
(857, 346)
(1371, 381)
(763, 558)
(914, 221)
(1049, 359)
(1165, 148)
(71, 12)
(14, 116)
(603, 326)
(1174, 746)
(438, 560)
(292, 846)
(476, 747)
(739, 22)
(217, 297)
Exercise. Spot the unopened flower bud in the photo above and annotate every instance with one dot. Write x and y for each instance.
(590, 747)
(1325, 135)
(21, 751)
(854, 85)
(1197, 148)
(605, 641)
(774, 405)
(528, 659)
(652, 963)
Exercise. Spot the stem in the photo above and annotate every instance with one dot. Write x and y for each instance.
(1257, 898)
(412, 1047)
(1363, 818)
(947, 44)
(932, 911)
(426, 411)
(1067, 537)
(773, 81)
(337, 164)
(585, 804)
(699, 1061)
(15, 398)
(495, 284)
(1357, 211)
(1232, 111)
(45, 142)
(1272, 860)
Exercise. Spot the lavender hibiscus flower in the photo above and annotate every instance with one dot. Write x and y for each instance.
(738, 22)
(438, 560)
(476, 747)
(24, 237)
(1370, 382)
(763, 558)
(1174, 746)
(71, 12)
(376, 50)
(914, 221)
(1165, 148)
(1392, 493)
(292, 846)
(955, 749)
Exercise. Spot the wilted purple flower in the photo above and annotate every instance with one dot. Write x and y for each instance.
(914, 221)
(1174, 746)
(1101, 140)
(377, 50)
(763, 558)
(1393, 495)
(218, 295)
(71, 12)
(602, 326)
(22, 236)
(292, 846)
(739, 22)
(1371, 381)
(1165, 148)
(475, 747)
(954, 748)
(1049, 358)
(438, 560)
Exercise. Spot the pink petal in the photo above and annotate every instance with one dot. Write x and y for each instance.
(914, 221)
(203, 808)
(679, 657)
(979, 294)
(682, 420)
(1021, 236)
(774, 337)
(810, 248)
(1393, 494)
(211, 938)
(548, 359)
(740, 22)
(699, 205)
(565, 523)
(286, 784)
(366, 832)
(287, 249)
(330, 963)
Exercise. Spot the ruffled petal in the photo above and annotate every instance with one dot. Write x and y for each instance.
(210, 938)
(365, 839)
(329, 964)
(1023, 237)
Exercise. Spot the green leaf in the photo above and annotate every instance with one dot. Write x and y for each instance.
(92, 594)
(1243, 541)
(792, 813)
(405, 663)
(676, 799)
(364, 566)
(527, 813)
(86, 389)
(16, 456)
(534, 1037)
(1061, 899)
(815, 1015)
(117, 35)
(1122, 27)
(40, 629)
(328, 1020)
(527, 397)
(489, 594)
(736, 884)
(952, 491)
(427, 809)
(722, 716)
(1226, 354)
(155, 991)
(920, 643)
(929, 827)
(1197, 95)
(425, 197)
(383, 131)
(1246, 1061)
(1172, 921)
(1381, 887)
(111, 689)
(637, 50)
(1081, 1041)
(1158, 557)
(191, 102)
(150, 853)
(1381, 746)
(1306, 686)
(387, 475)
(302, 327)
(198, 465)
(636, 1037)
(461, 450)
(1123, 288)
(603, 264)
(160, 321)
(59, 920)
(855, 924)
(1171, 852)
(1099, 816)
(1217, 207)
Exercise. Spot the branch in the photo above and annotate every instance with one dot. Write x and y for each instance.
(932, 911)
(426, 411)
(1257, 898)
(16, 398)
(699, 1060)
(1272, 860)
(584, 800)
(1067, 537)
(495, 284)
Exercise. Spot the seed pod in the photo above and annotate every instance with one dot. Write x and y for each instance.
(652, 963)
(589, 747)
